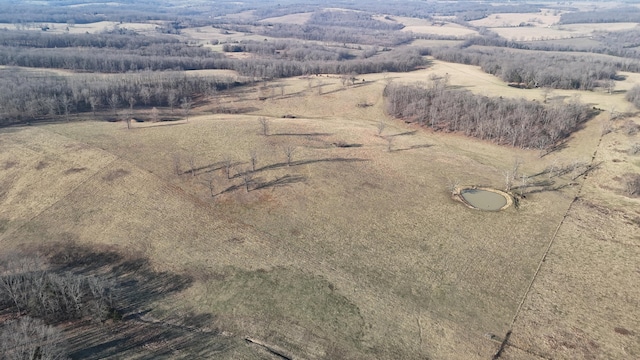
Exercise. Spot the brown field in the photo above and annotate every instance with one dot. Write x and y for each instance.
(97, 27)
(423, 26)
(347, 252)
(299, 18)
(542, 19)
(555, 32)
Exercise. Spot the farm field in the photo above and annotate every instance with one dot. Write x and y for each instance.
(373, 233)
(234, 211)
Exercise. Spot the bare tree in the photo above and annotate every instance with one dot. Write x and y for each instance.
(247, 178)
(228, 164)
(389, 140)
(94, 101)
(66, 102)
(380, 126)
(132, 101)
(186, 104)
(177, 164)
(28, 338)
(632, 185)
(155, 114)
(453, 186)
(264, 123)
(192, 164)
(288, 152)
(172, 97)
(209, 181)
(253, 155)
(114, 102)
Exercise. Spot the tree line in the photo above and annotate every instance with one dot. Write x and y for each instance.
(520, 123)
(613, 15)
(559, 71)
(622, 43)
(26, 96)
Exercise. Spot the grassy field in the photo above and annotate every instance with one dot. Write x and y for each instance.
(345, 252)
(352, 248)
(556, 32)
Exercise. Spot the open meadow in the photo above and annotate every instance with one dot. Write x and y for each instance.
(239, 213)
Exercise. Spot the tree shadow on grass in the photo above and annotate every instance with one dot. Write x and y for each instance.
(307, 162)
(281, 181)
(137, 287)
(412, 147)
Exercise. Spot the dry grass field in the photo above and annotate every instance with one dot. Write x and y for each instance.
(542, 19)
(352, 251)
(556, 32)
(299, 18)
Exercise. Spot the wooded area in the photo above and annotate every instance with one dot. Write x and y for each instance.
(521, 123)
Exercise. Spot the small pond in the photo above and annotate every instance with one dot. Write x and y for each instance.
(484, 199)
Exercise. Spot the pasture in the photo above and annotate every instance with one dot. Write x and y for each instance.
(295, 217)
(353, 248)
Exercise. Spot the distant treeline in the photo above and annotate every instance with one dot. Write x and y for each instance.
(26, 96)
(621, 14)
(519, 123)
(559, 71)
(341, 34)
(38, 39)
(352, 19)
(623, 43)
(303, 51)
(139, 55)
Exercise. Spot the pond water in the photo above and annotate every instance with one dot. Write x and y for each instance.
(483, 199)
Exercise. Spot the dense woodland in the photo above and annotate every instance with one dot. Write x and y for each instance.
(520, 123)
(559, 71)
(29, 96)
(619, 14)
(623, 43)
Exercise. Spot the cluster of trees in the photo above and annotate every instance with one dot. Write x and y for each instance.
(560, 71)
(351, 19)
(28, 338)
(340, 34)
(289, 49)
(33, 39)
(622, 43)
(29, 290)
(619, 14)
(633, 96)
(520, 123)
(57, 297)
(27, 96)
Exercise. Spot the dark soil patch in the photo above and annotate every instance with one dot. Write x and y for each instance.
(115, 174)
(74, 170)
